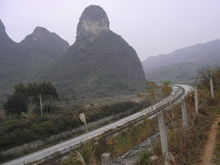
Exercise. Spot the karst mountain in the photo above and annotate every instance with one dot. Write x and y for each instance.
(100, 63)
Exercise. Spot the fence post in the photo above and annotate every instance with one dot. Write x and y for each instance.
(211, 87)
(163, 136)
(106, 159)
(184, 113)
(196, 101)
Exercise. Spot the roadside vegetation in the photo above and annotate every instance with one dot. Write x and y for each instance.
(26, 128)
(119, 143)
(24, 123)
(90, 152)
(185, 146)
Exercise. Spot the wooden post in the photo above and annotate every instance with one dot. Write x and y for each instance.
(106, 159)
(211, 87)
(196, 101)
(184, 113)
(163, 136)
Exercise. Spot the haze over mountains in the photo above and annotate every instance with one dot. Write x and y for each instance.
(99, 64)
(21, 62)
(184, 64)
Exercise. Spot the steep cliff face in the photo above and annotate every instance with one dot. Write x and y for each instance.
(92, 23)
(100, 63)
(6, 43)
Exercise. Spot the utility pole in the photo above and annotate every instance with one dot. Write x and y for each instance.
(211, 86)
(41, 106)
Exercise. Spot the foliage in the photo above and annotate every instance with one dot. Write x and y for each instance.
(130, 137)
(18, 102)
(144, 158)
(158, 91)
(204, 79)
(118, 144)
(61, 120)
(24, 95)
(166, 88)
(74, 158)
(18, 131)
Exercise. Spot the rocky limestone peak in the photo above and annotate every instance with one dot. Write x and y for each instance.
(39, 32)
(5, 41)
(2, 27)
(42, 41)
(93, 21)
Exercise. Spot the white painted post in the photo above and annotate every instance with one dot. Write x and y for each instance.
(184, 113)
(211, 87)
(196, 101)
(163, 136)
(41, 106)
(106, 159)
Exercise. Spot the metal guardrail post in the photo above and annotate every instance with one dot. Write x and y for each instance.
(163, 136)
(196, 101)
(184, 113)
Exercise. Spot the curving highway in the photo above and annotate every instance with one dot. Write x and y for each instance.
(178, 92)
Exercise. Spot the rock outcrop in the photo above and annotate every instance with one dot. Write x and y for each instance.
(92, 23)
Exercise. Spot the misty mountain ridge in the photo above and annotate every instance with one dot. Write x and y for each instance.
(183, 64)
(22, 62)
(99, 64)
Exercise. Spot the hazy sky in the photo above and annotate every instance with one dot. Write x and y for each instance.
(152, 27)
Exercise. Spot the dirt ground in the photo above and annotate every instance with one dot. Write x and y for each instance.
(209, 148)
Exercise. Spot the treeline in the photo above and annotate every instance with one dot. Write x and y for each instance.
(204, 79)
(31, 94)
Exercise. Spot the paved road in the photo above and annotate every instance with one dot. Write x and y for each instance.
(67, 145)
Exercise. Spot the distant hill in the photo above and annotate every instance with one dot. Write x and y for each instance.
(99, 64)
(24, 61)
(184, 64)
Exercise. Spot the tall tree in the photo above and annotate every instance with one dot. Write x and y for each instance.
(16, 104)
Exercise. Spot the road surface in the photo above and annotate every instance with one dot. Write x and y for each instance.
(69, 144)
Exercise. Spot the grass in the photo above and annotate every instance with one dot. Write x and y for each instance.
(117, 144)
(41, 128)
